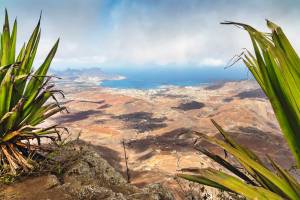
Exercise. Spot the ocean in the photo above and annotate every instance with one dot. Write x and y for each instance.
(151, 78)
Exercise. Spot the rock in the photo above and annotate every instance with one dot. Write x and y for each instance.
(85, 176)
(92, 170)
(51, 181)
(91, 177)
(158, 192)
(95, 192)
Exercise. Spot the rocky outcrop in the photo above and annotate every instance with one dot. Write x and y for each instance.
(79, 172)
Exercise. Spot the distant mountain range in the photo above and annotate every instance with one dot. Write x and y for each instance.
(87, 75)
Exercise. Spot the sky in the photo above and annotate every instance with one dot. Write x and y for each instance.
(139, 33)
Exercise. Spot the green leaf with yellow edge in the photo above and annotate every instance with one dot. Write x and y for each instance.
(231, 183)
(276, 69)
(5, 42)
(35, 83)
(13, 39)
(20, 86)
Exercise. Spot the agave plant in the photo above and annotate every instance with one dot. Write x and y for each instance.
(276, 67)
(23, 99)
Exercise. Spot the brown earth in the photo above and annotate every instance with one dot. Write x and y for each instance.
(152, 123)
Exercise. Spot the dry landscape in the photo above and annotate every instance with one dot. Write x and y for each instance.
(155, 125)
(127, 100)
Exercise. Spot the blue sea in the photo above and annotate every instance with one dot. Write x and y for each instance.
(149, 78)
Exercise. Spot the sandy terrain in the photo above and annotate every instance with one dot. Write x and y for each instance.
(151, 123)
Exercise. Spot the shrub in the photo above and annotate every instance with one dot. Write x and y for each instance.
(24, 94)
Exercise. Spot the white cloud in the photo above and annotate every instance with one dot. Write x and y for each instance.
(189, 32)
(212, 62)
(168, 32)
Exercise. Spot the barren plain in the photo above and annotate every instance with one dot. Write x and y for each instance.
(155, 125)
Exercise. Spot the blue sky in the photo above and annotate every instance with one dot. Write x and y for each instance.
(125, 33)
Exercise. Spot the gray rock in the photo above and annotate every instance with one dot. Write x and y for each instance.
(84, 175)
(51, 181)
(158, 192)
(91, 177)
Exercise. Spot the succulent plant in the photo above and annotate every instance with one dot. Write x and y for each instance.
(24, 95)
(276, 67)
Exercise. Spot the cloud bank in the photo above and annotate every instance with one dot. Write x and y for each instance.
(145, 32)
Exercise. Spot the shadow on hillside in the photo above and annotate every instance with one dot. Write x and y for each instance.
(77, 116)
(192, 105)
(177, 139)
(228, 99)
(215, 86)
(111, 156)
(101, 121)
(257, 93)
(261, 142)
(88, 101)
(142, 121)
(104, 106)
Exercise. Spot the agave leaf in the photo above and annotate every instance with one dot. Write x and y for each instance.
(227, 165)
(34, 50)
(234, 184)
(46, 131)
(27, 58)
(42, 114)
(45, 115)
(13, 40)
(4, 68)
(1, 49)
(24, 69)
(5, 93)
(276, 69)
(11, 121)
(203, 180)
(285, 175)
(13, 117)
(5, 42)
(38, 115)
(33, 108)
(275, 183)
(263, 181)
(11, 135)
(34, 85)
(23, 97)
(7, 115)
(234, 144)
(21, 54)
(275, 66)
(281, 40)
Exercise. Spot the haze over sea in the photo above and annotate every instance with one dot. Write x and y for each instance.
(151, 77)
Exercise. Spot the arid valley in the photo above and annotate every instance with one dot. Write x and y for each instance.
(155, 125)
(149, 100)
